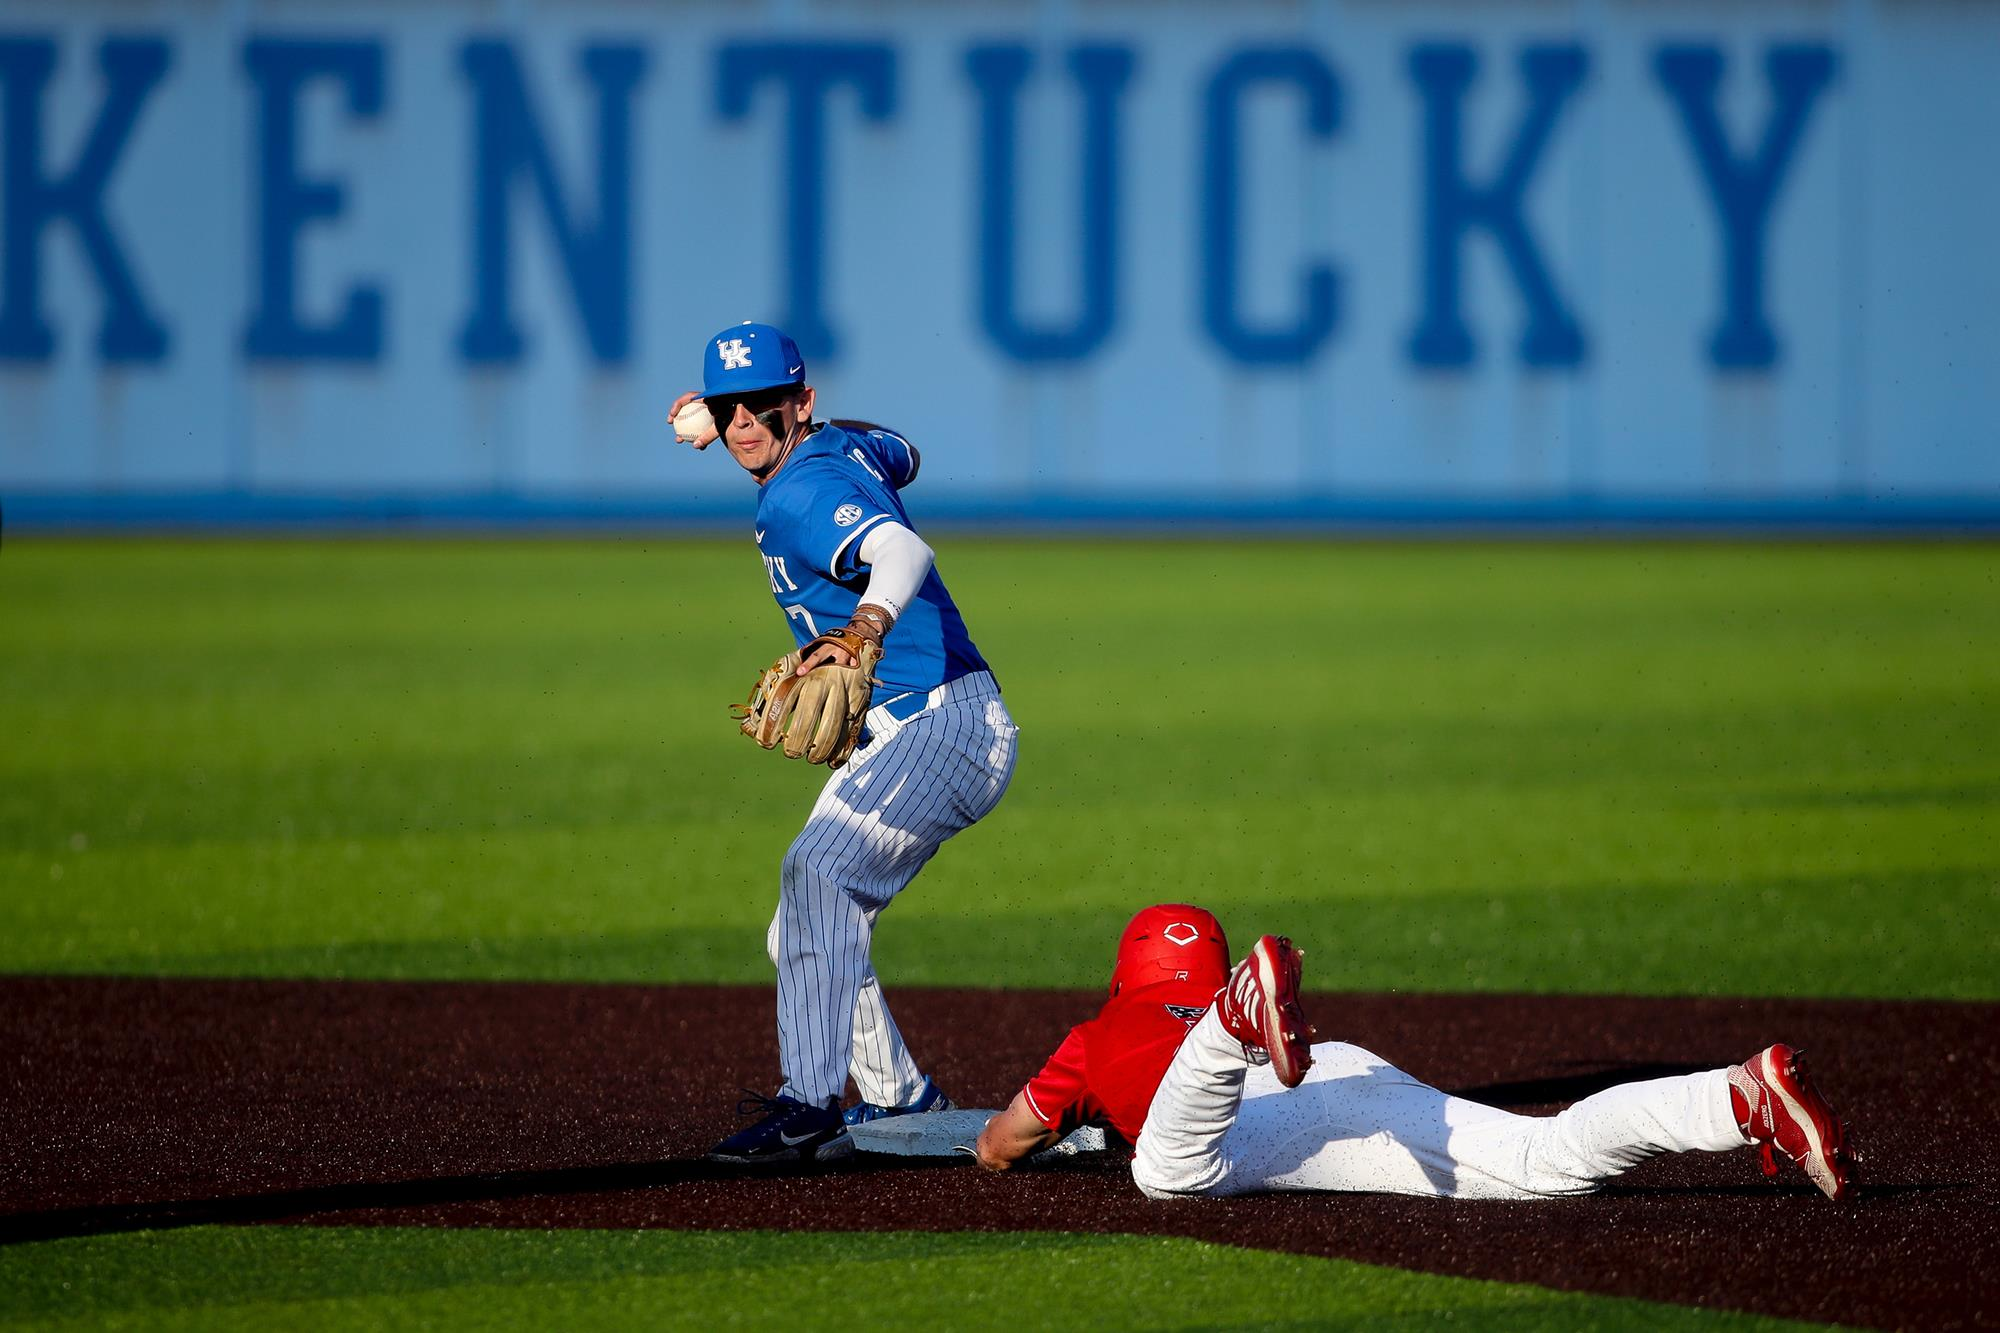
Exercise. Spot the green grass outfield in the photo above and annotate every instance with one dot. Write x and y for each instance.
(1659, 768)
(1577, 767)
(265, 1278)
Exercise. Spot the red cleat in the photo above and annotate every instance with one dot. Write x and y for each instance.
(1260, 1008)
(1777, 1107)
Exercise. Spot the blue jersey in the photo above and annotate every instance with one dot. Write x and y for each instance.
(834, 488)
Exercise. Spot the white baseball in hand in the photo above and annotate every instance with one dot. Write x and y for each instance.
(693, 424)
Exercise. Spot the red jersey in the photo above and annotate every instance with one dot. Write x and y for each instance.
(1107, 1070)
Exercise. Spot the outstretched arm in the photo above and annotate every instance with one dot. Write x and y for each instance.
(1012, 1135)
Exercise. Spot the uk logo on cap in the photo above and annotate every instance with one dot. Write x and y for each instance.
(749, 357)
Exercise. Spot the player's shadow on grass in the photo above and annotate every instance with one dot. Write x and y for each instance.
(397, 1195)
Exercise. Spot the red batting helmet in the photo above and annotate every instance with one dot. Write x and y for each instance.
(1168, 942)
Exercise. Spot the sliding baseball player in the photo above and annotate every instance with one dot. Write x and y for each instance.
(1213, 1077)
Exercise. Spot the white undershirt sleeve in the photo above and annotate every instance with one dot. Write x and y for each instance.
(898, 560)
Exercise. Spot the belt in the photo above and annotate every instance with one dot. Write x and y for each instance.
(902, 707)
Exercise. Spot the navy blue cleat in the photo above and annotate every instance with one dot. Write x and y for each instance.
(788, 1131)
(930, 1097)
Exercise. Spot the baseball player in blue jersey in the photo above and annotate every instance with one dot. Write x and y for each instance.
(884, 652)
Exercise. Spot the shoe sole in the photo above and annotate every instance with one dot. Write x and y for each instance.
(1785, 1079)
(1290, 1056)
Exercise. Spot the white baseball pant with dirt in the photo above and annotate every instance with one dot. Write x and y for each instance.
(917, 781)
(1219, 1126)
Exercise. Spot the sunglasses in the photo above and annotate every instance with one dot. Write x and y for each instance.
(761, 402)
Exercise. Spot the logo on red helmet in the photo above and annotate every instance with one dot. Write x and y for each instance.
(1171, 942)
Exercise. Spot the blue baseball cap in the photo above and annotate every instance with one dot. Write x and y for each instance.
(750, 356)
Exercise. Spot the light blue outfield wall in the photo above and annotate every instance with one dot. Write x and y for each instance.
(270, 261)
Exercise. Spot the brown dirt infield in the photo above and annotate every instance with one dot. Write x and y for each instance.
(144, 1103)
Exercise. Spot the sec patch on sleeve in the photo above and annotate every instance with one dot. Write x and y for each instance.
(847, 516)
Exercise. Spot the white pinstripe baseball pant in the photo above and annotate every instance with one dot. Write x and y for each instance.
(877, 821)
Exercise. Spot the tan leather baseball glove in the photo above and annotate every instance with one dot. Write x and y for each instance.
(815, 717)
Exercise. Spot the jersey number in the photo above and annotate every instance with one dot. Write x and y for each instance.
(804, 617)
